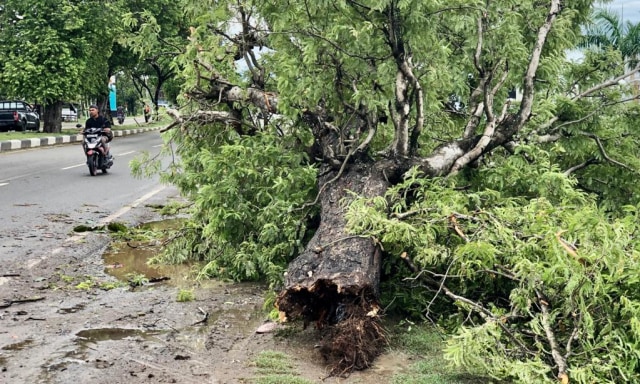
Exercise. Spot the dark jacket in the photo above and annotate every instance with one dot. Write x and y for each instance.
(99, 122)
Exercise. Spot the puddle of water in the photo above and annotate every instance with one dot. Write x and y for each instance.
(131, 258)
(123, 260)
(104, 334)
(18, 346)
(238, 308)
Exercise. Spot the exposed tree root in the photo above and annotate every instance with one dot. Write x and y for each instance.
(352, 336)
(354, 343)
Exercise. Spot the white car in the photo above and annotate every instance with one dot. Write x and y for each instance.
(69, 112)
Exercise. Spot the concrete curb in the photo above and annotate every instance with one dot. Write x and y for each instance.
(12, 145)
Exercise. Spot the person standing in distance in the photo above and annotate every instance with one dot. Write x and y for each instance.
(147, 113)
(96, 120)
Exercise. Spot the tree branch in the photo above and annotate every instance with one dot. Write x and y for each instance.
(490, 127)
(528, 92)
(580, 166)
(560, 360)
(604, 153)
(478, 308)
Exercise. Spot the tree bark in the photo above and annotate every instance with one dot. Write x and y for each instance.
(335, 281)
(52, 119)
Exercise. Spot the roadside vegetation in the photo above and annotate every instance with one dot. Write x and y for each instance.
(52, 55)
(448, 164)
(387, 135)
(128, 124)
(421, 347)
(276, 367)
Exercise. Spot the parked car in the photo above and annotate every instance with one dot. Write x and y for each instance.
(69, 112)
(18, 116)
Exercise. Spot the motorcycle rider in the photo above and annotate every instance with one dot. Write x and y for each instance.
(96, 120)
(120, 113)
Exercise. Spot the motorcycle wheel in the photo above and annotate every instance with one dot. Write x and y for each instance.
(92, 166)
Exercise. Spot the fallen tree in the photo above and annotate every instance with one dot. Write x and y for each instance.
(374, 103)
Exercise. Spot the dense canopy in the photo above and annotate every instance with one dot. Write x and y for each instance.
(379, 149)
(443, 160)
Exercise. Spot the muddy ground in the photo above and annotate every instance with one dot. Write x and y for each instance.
(51, 331)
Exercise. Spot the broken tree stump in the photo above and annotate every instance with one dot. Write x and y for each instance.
(334, 283)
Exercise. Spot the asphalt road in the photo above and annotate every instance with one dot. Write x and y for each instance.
(51, 185)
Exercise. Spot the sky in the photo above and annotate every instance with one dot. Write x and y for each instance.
(628, 9)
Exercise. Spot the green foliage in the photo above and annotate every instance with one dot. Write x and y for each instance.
(109, 285)
(53, 52)
(268, 305)
(85, 285)
(423, 345)
(91, 282)
(552, 217)
(155, 33)
(172, 208)
(247, 194)
(137, 279)
(521, 231)
(115, 226)
(185, 295)
(607, 29)
(66, 278)
(276, 368)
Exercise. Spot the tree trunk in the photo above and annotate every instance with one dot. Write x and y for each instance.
(335, 281)
(53, 118)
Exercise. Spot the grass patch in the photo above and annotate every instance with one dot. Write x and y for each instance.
(276, 368)
(88, 283)
(430, 372)
(136, 279)
(4, 136)
(185, 295)
(270, 362)
(282, 379)
(426, 343)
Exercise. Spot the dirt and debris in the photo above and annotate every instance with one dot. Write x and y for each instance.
(351, 333)
(59, 323)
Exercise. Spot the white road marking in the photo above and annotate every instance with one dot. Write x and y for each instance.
(3, 184)
(105, 221)
(127, 208)
(74, 166)
(115, 156)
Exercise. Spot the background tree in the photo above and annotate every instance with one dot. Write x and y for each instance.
(119, 64)
(320, 134)
(54, 51)
(156, 34)
(607, 30)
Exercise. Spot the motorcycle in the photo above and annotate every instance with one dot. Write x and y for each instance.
(120, 114)
(96, 150)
